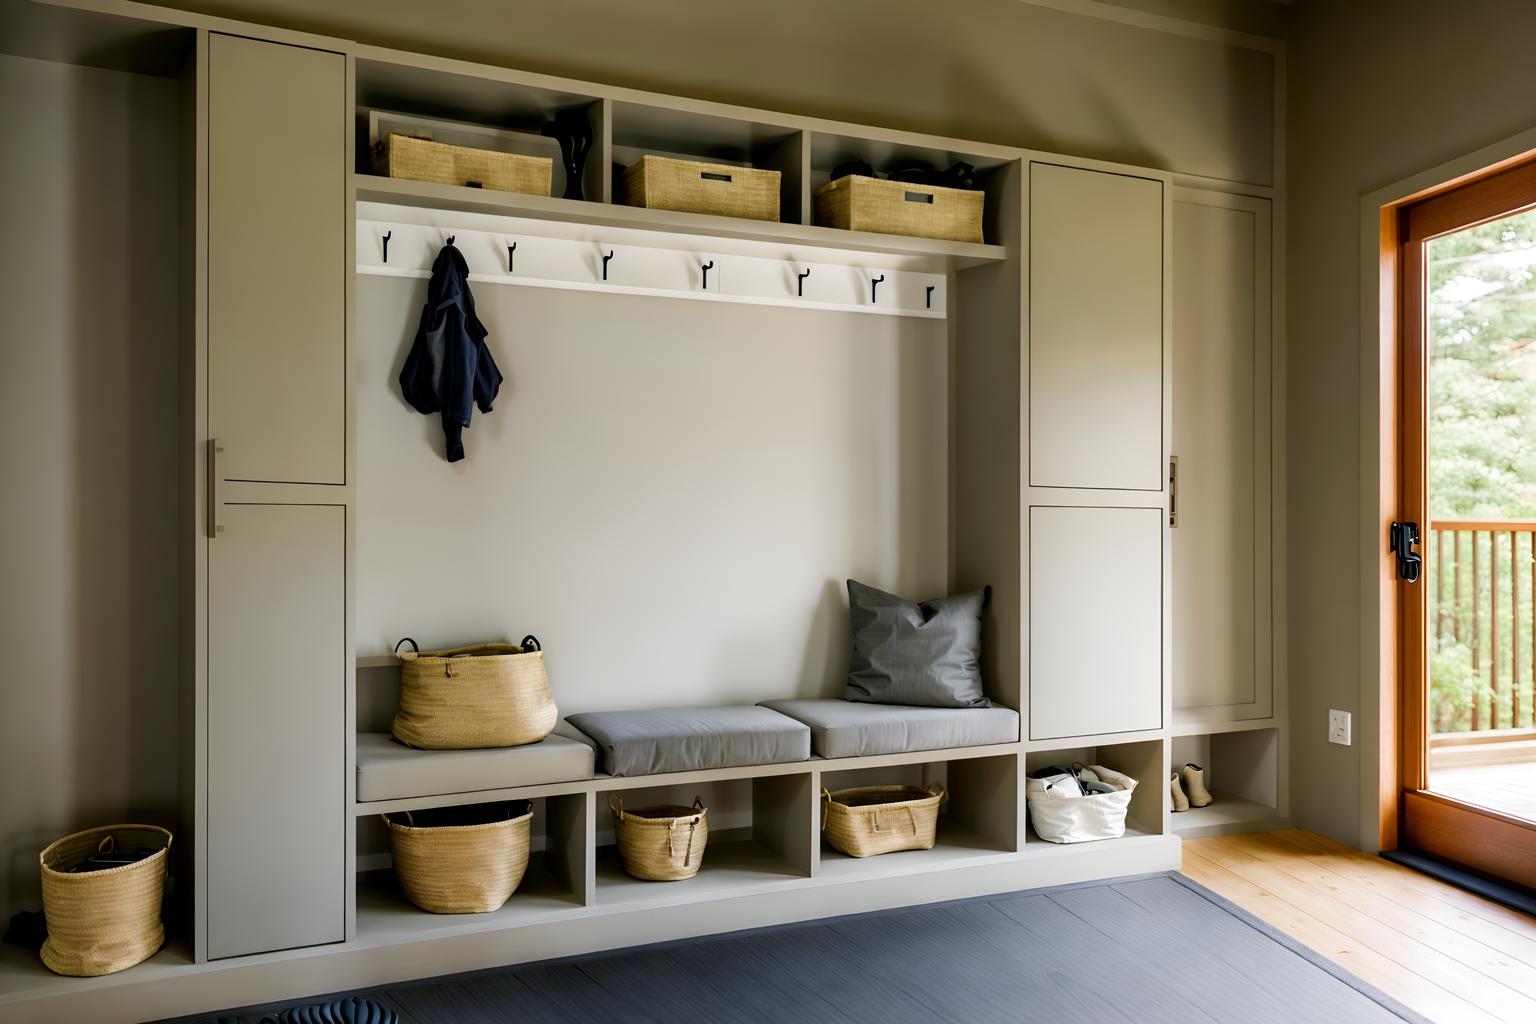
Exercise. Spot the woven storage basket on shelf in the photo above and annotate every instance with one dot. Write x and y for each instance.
(485, 695)
(461, 860)
(663, 843)
(859, 203)
(401, 156)
(725, 190)
(103, 921)
(871, 820)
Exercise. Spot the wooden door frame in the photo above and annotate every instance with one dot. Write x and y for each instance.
(1388, 607)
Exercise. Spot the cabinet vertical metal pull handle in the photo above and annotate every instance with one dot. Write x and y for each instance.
(215, 488)
(1173, 491)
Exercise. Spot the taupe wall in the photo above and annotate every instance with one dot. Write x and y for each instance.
(87, 424)
(1001, 71)
(668, 493)
(1379, 90)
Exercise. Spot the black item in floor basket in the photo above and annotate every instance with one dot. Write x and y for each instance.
(113, 859)
(467, 814)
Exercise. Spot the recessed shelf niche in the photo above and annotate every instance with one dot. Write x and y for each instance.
(555, 879)
(1142, 760)
(760, 832)
(639, 129)
(506, 101)
(980, 820)
(1242, 771)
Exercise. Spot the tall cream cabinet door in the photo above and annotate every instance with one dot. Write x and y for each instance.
(1222, 546)
(1095, 329)
(276, 721)
(277, 179)
(1095, 620)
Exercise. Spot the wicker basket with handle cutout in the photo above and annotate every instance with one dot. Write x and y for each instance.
(870, 820)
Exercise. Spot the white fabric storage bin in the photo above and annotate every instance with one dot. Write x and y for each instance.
(1073, 817)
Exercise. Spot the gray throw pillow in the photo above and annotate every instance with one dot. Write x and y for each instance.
(925, 655)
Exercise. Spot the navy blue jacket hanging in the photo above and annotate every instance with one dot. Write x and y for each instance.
(449, 368)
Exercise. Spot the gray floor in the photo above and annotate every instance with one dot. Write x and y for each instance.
(1154, 949)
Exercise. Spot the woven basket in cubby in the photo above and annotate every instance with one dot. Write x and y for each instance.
(871, 820)
(663, 843)
(402, 156)
(690, 186)
(461, 860)
(860, 203)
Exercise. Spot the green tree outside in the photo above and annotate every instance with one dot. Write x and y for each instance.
(1482, 446)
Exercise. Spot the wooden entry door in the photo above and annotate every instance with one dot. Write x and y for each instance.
(1467, 284)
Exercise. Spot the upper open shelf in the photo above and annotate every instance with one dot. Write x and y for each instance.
(792, 240)
(626, 127)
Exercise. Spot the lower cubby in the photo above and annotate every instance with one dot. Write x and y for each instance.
(759, 839)
(1142, 760)
(554, 882)
(979, 821)
(1242, 771)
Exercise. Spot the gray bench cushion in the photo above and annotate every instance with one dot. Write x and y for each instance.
(387, 770)
(690, 739)
(840, 728)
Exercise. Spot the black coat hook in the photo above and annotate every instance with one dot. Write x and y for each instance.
(873, 284)
(605, 264)
(800, 282)
(930, 295)
(510, 250)
(707, 268)
(387, 235)
(450, 239)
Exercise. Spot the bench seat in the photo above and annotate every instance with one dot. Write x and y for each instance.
(841, 728)
(657, 742)
(390, 770)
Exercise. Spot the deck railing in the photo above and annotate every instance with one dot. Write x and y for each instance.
(1483, 619)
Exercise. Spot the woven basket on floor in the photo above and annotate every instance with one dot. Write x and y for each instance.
(103, 921)
(486, 695)
(872, 820)
(858, 203)
(461, 860)
(401, 156)
(725, 190)
(663, 843)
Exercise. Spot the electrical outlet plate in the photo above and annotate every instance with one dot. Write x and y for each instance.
(1339, 723)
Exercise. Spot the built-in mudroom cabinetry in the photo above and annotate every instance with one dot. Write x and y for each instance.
(1095, 486)
(707, 425)
(277, 171)
(1228, 711)
(275, 872)
(276, 776)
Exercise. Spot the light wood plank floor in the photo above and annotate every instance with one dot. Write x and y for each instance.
(1448, 954)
